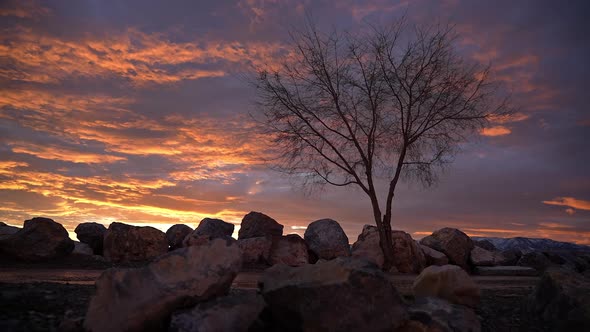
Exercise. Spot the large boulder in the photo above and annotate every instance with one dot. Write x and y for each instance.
(326, 239)
(562, 300)
(536, 260)
(208, 230)
(407, 258)
(256, 224)
(256, 250)
(143, 299)
(430, 314)
(39, 239)
(289, 250)
(434, 257)
(481, 257)
(448, 282)
(126, 243)
(176, 234)
(92, 234)
(235, 312)
(342, 294)
(453, 243)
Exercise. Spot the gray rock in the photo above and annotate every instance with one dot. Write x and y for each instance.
(326, 239)
(39, 239)
(453, 243)
(235, 312)
(82, 249)
(143, 299)
(342, 294)
(431, 314)
(126, 243)
(176, 234)
(256, 224)
(434, 257)
(512, 271)
(92, 234)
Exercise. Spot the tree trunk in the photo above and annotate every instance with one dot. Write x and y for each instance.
(386, 242)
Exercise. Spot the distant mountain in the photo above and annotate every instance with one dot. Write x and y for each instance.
(527, 244)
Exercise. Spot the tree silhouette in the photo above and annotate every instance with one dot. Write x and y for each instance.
(386, 103)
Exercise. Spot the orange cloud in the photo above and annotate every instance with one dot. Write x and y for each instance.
(63, 153)
(570, 202)
(502, 119)
(495, 131)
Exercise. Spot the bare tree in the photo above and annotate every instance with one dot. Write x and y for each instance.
(394, 102)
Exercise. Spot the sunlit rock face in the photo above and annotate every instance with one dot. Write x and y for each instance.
(92, 234)
(126, 243)
(256, 224)
(176, 234)
(143, 299)
(342, 294)
(326, 239)
(453, 243)
(448, 282)
(407, 257)
(39, 239)
(289, 250)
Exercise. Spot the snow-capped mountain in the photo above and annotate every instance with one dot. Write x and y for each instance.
(532, 244)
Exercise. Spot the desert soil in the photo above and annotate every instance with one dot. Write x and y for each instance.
(38, 299)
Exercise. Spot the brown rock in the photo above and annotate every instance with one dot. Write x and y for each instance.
(143, 299)
(453, 243)
(448, 282)
(326, 239)
(126, 243)
(92, 234)
(214, 228)
(342, 294)
(256, 250)
(434, 257)
(176, 234)
(39, 239)
(256, 224)
(289, 250)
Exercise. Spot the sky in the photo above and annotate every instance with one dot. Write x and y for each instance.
(138, 112)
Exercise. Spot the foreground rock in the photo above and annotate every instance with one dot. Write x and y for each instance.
(562, 300)
(408, 256)
(237, 313)
(338, 295)
(126, 243)
(256, 250)
(453, 243)
(176, 234)
(208, 230)
(434, 257)
(143, 299)
(92, 234)
(507, 271)
(39, 239)
(431, 314)
(326, 239)
(289, 250)
(256, 224)
(448, 282)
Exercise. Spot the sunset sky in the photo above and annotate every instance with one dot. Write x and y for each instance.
(137, 111)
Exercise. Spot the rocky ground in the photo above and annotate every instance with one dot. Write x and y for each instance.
(41, 306)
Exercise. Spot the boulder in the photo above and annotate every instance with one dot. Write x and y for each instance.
(214, 228)
(484, 244)
(176, 234)
(256, 224)
(126, 243)
(562, 300)
(289, 250)
(342, 294)
(434, 257)
(408, 256)
(508, 257)
(506, 271)
(92, 234)
(453, 243)
(534, 259)
(326, 239)
(82, 249)
(430, 314)
(448, 282)
(235, 312)
(39, 239)
(143, 299)
(255, 250)
(481, 257)
(6, 230)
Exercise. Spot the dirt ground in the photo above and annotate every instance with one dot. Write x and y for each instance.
(38, 300)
